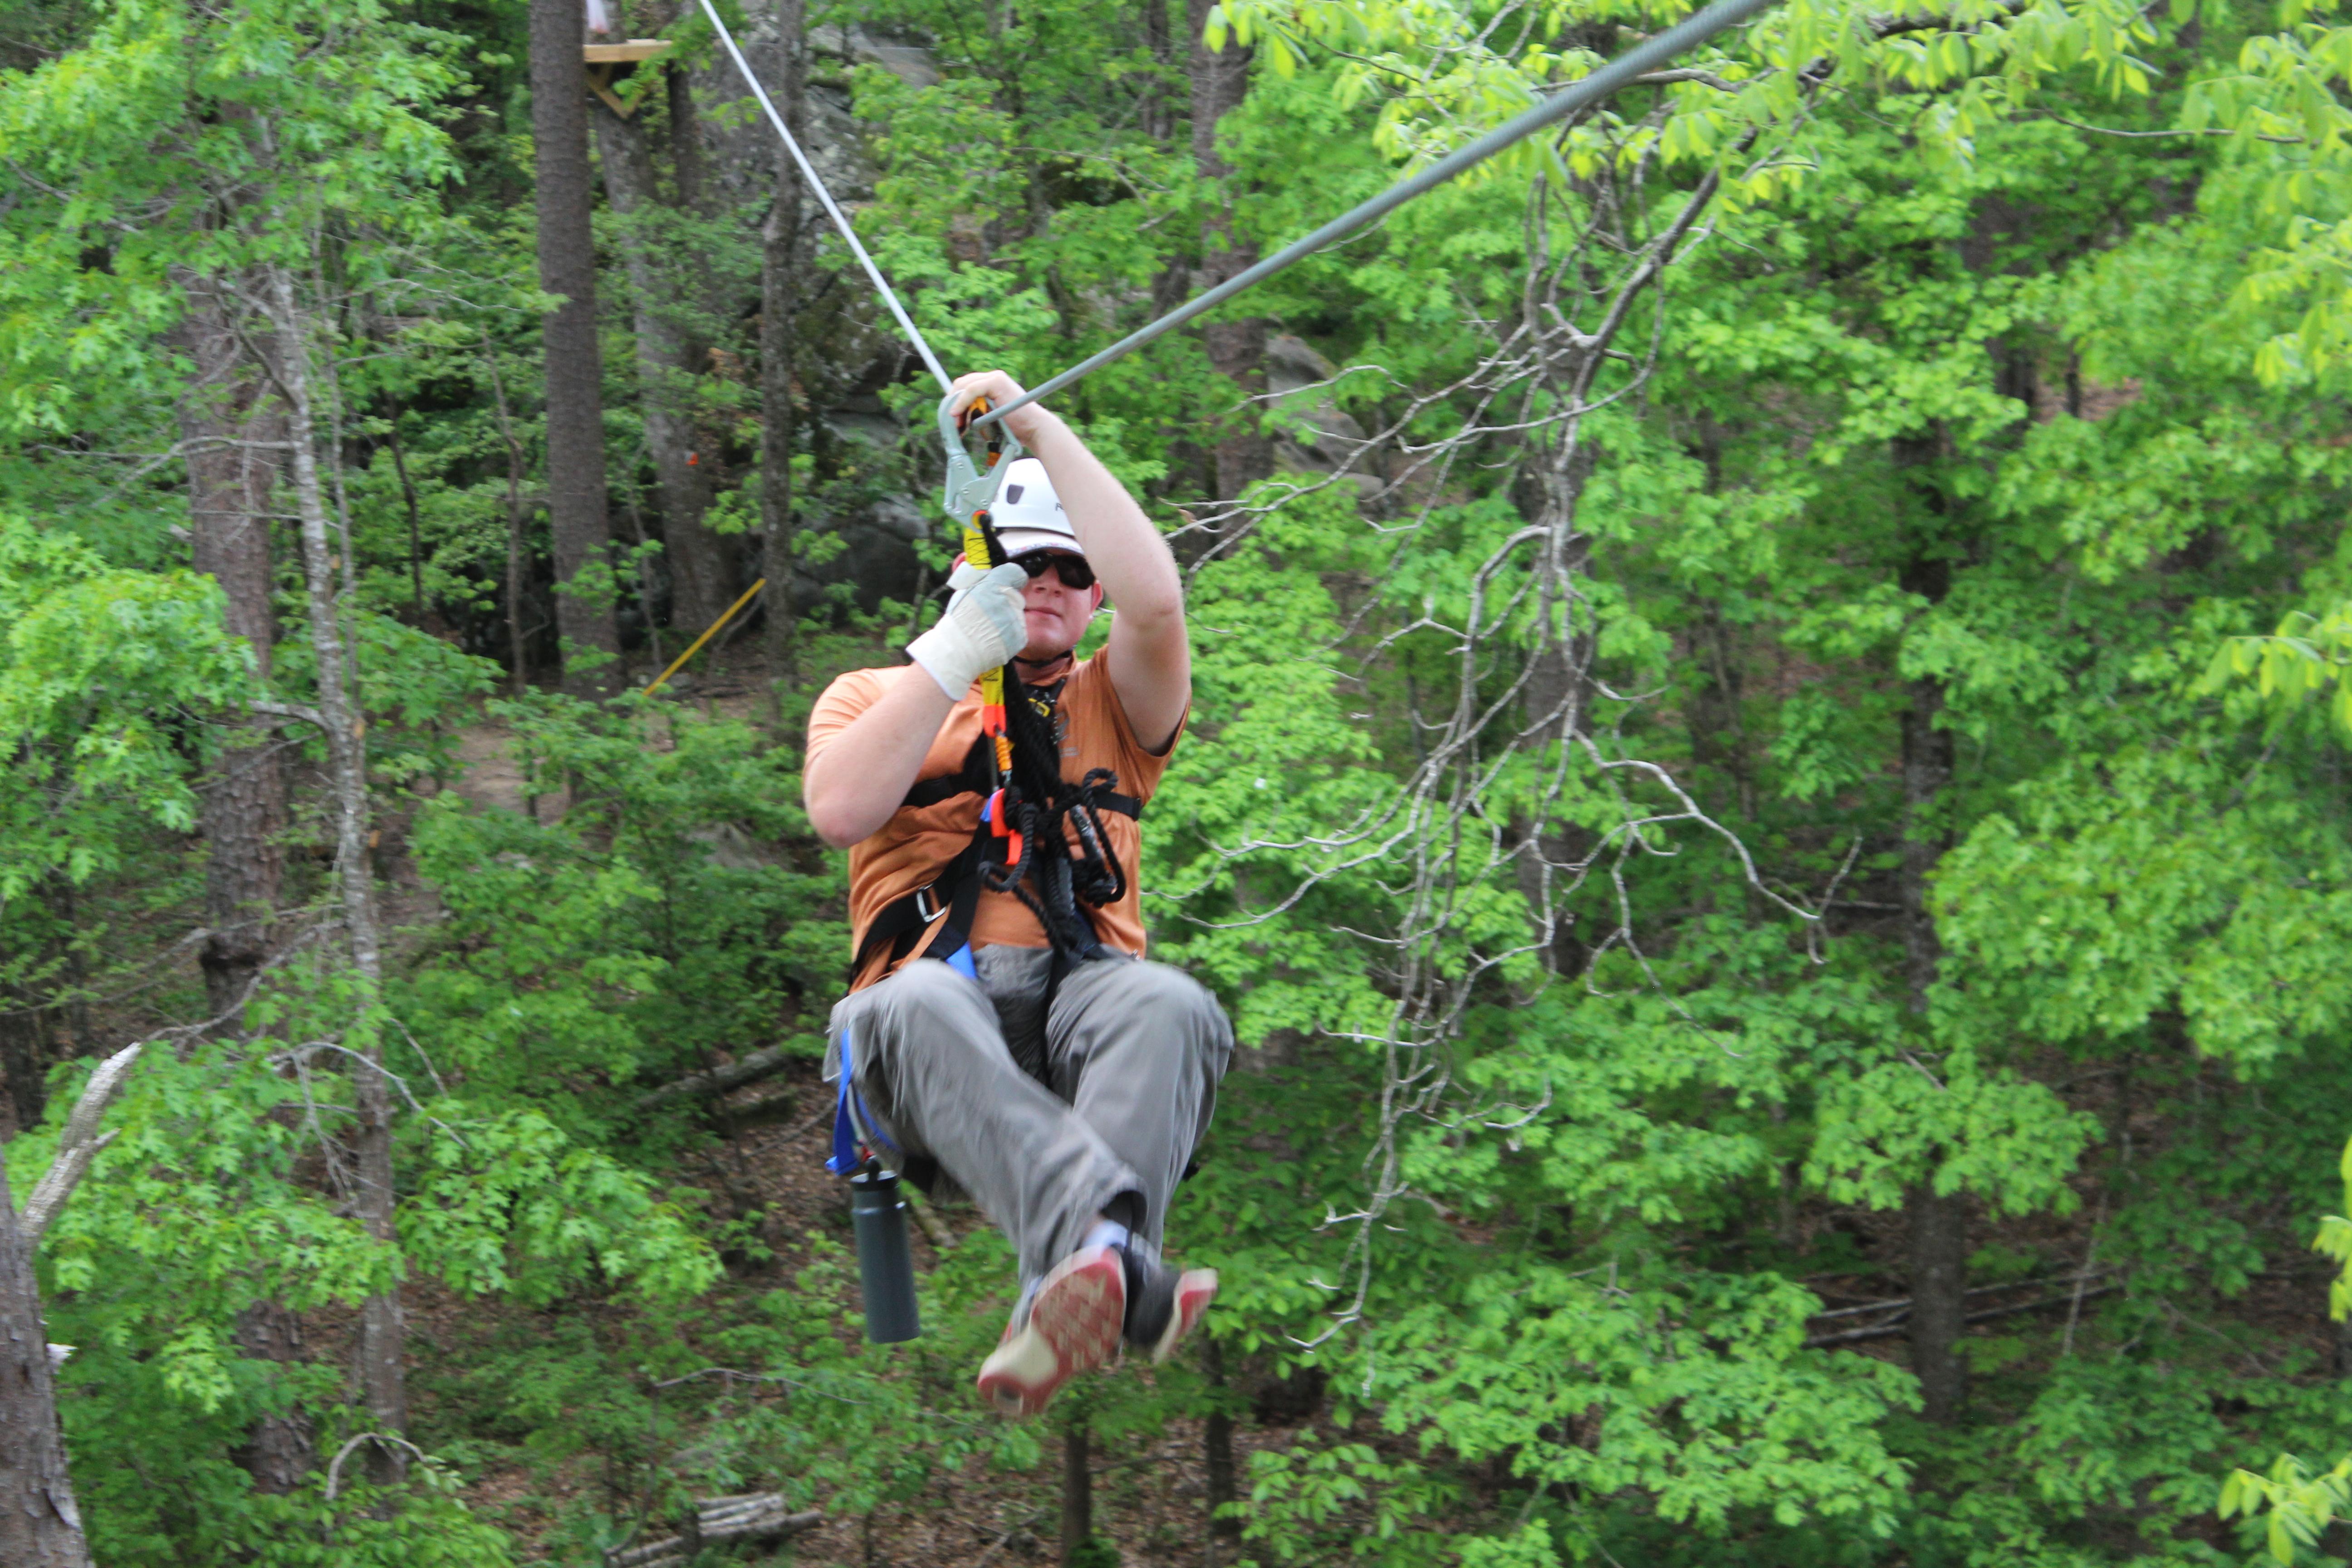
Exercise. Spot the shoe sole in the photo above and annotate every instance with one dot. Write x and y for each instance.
(1074, 1327)
(1195, 1288)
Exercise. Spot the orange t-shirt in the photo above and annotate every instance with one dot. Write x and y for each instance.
(915, 845)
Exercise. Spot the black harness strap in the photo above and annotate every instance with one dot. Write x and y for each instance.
(954, 893)
(973, 779)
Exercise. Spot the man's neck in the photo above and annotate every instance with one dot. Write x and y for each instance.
(1038, 671)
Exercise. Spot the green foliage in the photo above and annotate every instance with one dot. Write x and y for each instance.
(1994, 396)
(2303, 659)
(107, 677)
(509, 1205)
(1899, 1125)
(2300, 1504)
(671, 913)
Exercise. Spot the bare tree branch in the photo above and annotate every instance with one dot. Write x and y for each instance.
(80, 1144)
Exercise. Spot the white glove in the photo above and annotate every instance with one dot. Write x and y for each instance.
(986, 624)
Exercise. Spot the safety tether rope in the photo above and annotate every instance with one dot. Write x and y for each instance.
(832, 207)
(1643, 56)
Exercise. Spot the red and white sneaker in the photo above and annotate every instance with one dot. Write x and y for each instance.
(1073, 1326)
(1195, 1288)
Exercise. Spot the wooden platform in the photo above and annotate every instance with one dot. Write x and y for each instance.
(606, 60)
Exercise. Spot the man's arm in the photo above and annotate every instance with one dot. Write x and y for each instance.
(857, 781)
(1152, 660)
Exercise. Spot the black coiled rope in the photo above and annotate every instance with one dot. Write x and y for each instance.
(1048, 812)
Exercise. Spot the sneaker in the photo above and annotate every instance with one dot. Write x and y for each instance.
(1195, 1288)
(1073, 1326)
(1161, 1311)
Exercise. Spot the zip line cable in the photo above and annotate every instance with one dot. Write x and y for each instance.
(833, 209)
(1634, 62)
(1641, 57)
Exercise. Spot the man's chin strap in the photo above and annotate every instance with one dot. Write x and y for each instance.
(1039, 667)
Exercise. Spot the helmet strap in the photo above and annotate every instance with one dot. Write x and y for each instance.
(1032, 667)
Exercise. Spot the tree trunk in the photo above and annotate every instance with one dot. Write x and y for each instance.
(698, 574)
(24, 1055)
(1217, 1458)
(381, 1377)
(279, 1448)
(1078, 1494)
(244, 800)
(780, 246)
(518, 577)
(1715, 708)
(1940, 1288)
(1938, 1224)
(575, 413)
(1153, 115)
(40, 1527)
(416, 518)
(685, 155)
(1220, 81)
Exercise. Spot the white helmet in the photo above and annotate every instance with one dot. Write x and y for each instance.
(1028, 515)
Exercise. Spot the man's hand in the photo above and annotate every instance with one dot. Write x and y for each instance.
(984, 626)
(1001, 389)
(1151, 663)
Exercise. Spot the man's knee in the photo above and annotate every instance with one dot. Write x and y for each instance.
(924, 1016)
(925, 997)
(1169, 999)
(1171, 987)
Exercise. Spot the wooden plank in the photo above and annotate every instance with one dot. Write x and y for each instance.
(617, 54)
(599, 84)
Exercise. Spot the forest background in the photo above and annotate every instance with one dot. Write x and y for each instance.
(1785, 907)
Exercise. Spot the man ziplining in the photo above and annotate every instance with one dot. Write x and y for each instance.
(1002, 1022)
(1053, 1072)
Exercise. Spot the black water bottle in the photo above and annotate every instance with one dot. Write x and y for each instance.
(885, 1267)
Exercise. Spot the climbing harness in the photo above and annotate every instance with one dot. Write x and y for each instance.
(1029, 815)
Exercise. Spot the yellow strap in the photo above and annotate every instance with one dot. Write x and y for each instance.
(991, 681)
(706, 636)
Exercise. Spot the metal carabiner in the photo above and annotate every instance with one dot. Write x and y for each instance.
(970, 489)
(970, 494)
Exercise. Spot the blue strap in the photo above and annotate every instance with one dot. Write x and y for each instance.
(845, 1137)
(850, 1112)
(846, 1121)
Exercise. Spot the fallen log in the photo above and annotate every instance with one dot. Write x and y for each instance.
(720, 1080)
(749, 1516)
(1889, 1330)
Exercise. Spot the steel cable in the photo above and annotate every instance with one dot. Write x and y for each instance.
(1643, 57)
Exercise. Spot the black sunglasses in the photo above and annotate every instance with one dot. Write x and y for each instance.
(1072, 570)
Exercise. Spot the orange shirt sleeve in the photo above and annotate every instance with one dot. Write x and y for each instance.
(1136, 766)
(838, 706)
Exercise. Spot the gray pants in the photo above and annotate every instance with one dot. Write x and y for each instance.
(1130, 1055)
